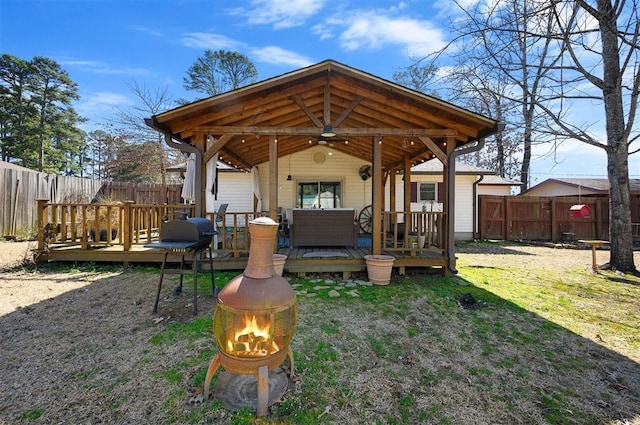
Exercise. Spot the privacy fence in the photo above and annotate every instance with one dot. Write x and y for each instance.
(20, 189)
(548, 218)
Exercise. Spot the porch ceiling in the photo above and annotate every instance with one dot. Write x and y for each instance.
(295, 106)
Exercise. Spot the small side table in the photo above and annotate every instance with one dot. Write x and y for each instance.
(594, 244)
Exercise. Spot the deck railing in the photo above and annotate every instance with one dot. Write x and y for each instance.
(413, 231)
(127, 224)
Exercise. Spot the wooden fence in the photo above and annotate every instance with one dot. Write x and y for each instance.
(20, 189)
(547, 218)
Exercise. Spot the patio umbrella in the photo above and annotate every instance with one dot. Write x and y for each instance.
(211, 194)
(255, 183)
(189, 184)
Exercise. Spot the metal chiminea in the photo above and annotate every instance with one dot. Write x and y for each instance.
(255, 318)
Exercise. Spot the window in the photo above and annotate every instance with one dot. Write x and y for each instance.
(427, 192)
(319, 195)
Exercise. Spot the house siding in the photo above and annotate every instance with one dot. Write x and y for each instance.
(336, 167)
(494, 190)
(236, 189)
(557, 189)
(464, 213)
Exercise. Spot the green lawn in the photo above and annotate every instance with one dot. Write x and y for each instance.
(540, 348)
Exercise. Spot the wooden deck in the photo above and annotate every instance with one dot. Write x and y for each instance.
(67, 233)
(300, 260)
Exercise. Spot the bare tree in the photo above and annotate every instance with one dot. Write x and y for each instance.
(602, 66)
(560, 55)
(481, 88)
(504, 55)
(129, 123)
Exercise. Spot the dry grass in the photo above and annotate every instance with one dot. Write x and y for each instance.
(549, 344)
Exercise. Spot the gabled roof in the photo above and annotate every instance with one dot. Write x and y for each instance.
(295, 107)
(434, 166)
(594, 186)
(494, 180)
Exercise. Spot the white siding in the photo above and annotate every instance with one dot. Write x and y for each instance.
(336, 167)
(235, 188)
(495, 190)
(557, 189)
(464, 213)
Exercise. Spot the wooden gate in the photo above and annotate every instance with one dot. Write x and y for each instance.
(545, 218)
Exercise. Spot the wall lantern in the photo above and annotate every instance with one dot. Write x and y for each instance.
(580, 211)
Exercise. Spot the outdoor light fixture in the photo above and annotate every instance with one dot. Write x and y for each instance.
(327, 131)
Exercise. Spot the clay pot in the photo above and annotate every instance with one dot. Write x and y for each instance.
(278, 263)
(379, 268)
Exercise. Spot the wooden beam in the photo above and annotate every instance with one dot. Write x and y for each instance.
(306, 110)
(376, 213)
(305, 131)
(273, 178)
(407, 193)
(235, 158)
(326, 114)
(442, 156)
(392, 193)
(347, 111)
(216, 146)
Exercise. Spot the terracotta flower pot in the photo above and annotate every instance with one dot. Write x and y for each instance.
(379, 268)
(278, 263)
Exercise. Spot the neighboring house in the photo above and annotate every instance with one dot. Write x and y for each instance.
(497, 186)
(427, 192)
(326, 167)
(576, 187)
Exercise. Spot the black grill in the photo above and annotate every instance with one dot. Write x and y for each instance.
(190, 234)
(185, 237)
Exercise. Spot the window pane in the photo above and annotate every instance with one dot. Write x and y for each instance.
(319, 195)
(427, 192)
(329, 195)
(307, 193)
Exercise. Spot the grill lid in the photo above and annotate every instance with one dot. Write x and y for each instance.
(190, 230)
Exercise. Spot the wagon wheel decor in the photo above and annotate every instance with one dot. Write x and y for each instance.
(365, 218)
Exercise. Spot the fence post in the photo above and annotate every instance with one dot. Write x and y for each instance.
(127, 227)
(42, 207)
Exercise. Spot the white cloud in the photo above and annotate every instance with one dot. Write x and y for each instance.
(98, 67)
(203, 40)
(96, 106)
(279, 13)
(374, 30)
(279, 56)
(146, 30)
(381, 28)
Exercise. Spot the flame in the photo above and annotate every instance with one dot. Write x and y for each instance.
(252, 339)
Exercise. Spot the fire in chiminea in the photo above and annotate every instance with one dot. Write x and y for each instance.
(255, 318)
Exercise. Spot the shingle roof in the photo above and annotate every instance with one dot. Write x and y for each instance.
(595, 185)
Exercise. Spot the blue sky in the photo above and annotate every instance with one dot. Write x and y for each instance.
(105, 45)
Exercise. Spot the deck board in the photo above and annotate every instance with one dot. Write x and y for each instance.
(295, 263)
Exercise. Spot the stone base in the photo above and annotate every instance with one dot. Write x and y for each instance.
(236, 392)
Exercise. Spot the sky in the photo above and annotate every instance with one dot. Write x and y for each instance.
(107, 45)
